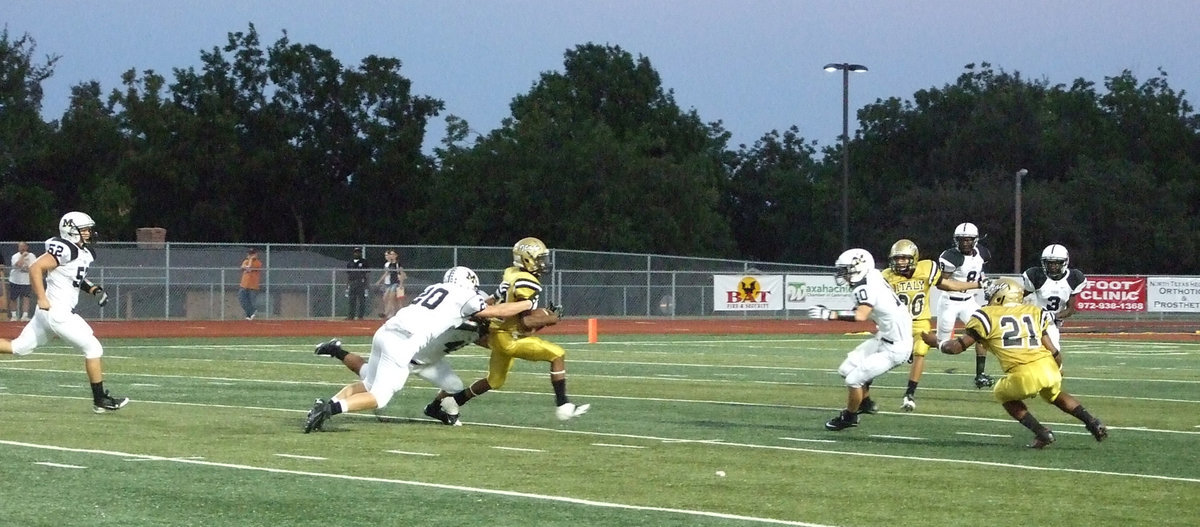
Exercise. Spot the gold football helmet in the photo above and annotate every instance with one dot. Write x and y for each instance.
(903, 257)
(1004, 291)
(531, 255)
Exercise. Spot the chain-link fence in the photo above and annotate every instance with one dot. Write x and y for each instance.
(201, 281)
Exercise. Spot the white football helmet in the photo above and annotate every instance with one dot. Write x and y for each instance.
(852, 266)
(1055, 260)
(965, 236)
(73, 222)
(461, 276)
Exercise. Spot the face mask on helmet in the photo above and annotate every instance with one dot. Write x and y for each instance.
(461, 276)
(1055, 260)
(77, 227)
(852, 266)
(903, 256)
(965, 236)
(531, 255)
(1004, 291)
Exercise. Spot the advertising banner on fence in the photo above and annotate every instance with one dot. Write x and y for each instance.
(807, 290)
(1174, 294)
(1113, 293)
(747, 292)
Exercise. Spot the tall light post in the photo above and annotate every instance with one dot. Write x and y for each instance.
(845, 68)
(1017, 219)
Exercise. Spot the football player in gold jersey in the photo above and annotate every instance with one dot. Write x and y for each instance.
(512, 338)
(1016, 333)
(911, 278)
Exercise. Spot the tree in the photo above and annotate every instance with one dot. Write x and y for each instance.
(597, 156)
(27, 207)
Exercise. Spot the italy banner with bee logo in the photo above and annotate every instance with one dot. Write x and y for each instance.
(747, 292)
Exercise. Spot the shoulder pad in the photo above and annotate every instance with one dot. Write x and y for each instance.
(70, 253)
(952, 257)
(984, 253)
(1074, 278)
(1037, 276)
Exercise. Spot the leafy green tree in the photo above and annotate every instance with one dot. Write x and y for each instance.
(598, 156)
(775, 191)
(27, 206)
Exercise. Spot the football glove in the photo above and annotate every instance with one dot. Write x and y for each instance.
(101, 296)
(819, 312)
(556, 309)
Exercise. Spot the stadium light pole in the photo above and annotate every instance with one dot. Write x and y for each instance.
(845, 68)
(1017, 219)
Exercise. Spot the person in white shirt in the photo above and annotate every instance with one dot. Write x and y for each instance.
(405, 342)
(56, 278)
(18, 283)
(891, 344)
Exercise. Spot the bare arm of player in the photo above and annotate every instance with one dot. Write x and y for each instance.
(950, 284)
(539, 318)
(1049, 344)
(505, 309)
(37, 278)
(1069, 310)
(952, 346)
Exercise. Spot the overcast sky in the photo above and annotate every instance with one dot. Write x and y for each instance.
(755, 65)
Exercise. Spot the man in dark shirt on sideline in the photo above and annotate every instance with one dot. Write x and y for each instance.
(356, 285)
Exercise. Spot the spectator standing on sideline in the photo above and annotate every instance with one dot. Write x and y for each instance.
(392, 281)
(56, 278)
(251, 278)
(356, 285)
(18, 286)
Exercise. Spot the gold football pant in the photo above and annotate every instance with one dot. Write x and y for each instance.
(506, 348)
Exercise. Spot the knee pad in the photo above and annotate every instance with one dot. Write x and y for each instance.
(92, 350)
(382, 397)
(24, 346)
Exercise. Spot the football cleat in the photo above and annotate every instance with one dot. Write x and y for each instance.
(909, 403)
(570, 411)
(1041, 441)
(328, 348)
(435, 411)
(842, 421)
(450, 406)
(108, 403)
(867, 406)
(983, 380)
(321, 411)
(1098, 430)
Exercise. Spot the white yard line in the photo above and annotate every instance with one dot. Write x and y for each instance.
(460, 488)
(294, 456)
(404, 453)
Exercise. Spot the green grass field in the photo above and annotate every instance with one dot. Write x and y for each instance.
(213, 437)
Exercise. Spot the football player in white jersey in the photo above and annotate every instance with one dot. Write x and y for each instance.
(438, 372)
(963, 262)
(891, 345)
(1054, 286)
(404, 341)
(56, 278)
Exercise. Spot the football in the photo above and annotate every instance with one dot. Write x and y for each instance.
(538, 318)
